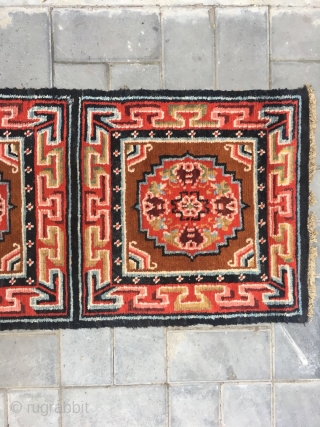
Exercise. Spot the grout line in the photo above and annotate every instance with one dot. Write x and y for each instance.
(113, 354)
(273, 406)
(162, 69)
(168, 406)
(306, 61)
(193, 328)
(108, 76)
(166, 352)
(6, 408)
(172, 383)
(269, 47)
(51, 48)
(79, 62)
(190, 382)
(111, 63)
(220, 406)
(216, 71)
(272, 352)
(161, 48)
(272, 360)
(215, 57)
(166, 355)
(27, 387)
(60, 376)
(220, 328)
(225, 381)
(152, 6)
(111, 386)
(30, 332)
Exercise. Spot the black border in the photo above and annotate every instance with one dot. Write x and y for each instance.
(304, 206)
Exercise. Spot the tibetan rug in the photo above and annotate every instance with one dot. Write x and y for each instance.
(142, 208)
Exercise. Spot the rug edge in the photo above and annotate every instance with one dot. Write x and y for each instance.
(313, 252)
(311, 230)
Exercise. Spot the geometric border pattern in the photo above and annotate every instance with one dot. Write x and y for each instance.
(95, 287)
(41, 294)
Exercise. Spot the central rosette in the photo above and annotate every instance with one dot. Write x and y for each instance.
(190, 205)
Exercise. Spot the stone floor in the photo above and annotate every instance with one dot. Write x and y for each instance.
(199, 377)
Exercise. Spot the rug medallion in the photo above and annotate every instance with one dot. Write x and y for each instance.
(154, 208)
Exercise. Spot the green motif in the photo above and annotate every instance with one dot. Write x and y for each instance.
(222, 188)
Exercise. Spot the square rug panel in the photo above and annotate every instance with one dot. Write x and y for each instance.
(143, 208)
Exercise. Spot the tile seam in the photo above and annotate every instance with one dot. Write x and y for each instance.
(152, 6)
(220, 406)
(269, 47)
(272, 351)
(51, 38)
(161, 64)
(172, 383)
(215, 56)
(60, 375)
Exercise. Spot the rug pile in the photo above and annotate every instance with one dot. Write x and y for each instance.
(155, 208)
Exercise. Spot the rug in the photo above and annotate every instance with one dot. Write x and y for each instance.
(143, 208)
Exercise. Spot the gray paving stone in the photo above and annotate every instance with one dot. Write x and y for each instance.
(33, 408)
(2, 410)
(295, 34)
(246, 405)
(297, 354)
(135, 76)
(297, 405)
(86, 357)
(24, 48)
(28, 360)
(223, 355)
(292, 75)
(242, 48)
(82, 35)
(194, 405)
(143, 406)
(165, 2)
(139, 356)
(81, 76)
(188, 49)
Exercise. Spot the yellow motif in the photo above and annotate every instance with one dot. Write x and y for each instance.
(202, 303)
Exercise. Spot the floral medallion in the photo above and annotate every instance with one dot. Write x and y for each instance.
(190, 205)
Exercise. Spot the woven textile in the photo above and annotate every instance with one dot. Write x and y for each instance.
(149, 208)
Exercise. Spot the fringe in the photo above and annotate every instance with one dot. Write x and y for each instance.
(312, 200)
